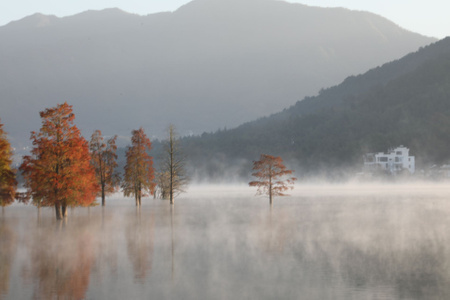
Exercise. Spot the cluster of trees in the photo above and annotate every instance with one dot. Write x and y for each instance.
(65, 170)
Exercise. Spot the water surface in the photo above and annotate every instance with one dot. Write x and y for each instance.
(334, 242)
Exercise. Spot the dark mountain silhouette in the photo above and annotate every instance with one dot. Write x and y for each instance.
(405, 102)
(208, 65)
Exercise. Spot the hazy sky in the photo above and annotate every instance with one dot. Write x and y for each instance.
(426, 17)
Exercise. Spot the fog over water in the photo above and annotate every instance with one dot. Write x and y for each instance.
(221, 242)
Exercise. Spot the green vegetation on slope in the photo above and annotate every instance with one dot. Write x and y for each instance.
(404, 102)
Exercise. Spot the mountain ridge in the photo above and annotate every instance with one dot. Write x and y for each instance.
(193, 69)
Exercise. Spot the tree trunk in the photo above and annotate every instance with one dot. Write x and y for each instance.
(270, 185)
(103, 194)
(140, 194)
(270, 191)
(58, 211)
(171, 187)
(171, 164)
(39, 215)
(64, 210)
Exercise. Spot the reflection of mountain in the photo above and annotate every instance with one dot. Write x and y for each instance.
(60, 264)
(8, 245)
(207, 65)
(140, 235)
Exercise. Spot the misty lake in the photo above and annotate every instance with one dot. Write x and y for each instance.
(222, 242)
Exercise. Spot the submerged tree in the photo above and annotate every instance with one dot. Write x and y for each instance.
(270, 171)
(8, 183)
(162, 184)
(172, 177)
(104, 160)
(58, 172)
(139, 173)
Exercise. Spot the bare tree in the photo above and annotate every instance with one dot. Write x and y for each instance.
(162, 184)
(104, 160)
(172, 177)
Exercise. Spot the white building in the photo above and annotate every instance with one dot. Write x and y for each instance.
(394, 161)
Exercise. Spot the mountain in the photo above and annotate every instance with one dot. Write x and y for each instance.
(405, 102)
(208, 65)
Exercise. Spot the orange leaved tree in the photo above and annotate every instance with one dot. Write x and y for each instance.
(104, 160)
(8, 183)
(139, 172)
(271, 173)
(59, 172)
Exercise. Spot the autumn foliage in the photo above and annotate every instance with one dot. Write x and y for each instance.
(8, 183)
(271, 173)
(58, 172)
(139, 172)
(104, 160)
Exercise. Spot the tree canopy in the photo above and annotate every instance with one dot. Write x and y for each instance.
(58, 171)
(8, 183)
(271, 173)
(139, 172)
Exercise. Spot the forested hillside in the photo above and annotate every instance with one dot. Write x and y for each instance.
(404, 102)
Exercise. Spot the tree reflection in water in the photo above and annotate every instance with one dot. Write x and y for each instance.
(274, 229)
(60, 261)
(106, 261)
(315, 247)
(8, 247)
(139, 236)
